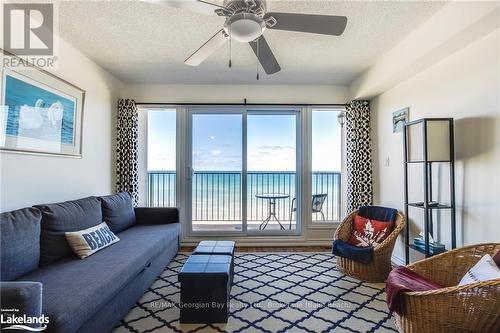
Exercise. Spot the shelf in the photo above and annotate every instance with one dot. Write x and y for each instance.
(439, 206)
(443, 161)
(413, 247)
(427, 145)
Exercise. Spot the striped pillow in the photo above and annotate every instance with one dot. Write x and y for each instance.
(88, 241)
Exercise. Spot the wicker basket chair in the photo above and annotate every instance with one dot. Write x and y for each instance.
(377, 270)
(469, 308)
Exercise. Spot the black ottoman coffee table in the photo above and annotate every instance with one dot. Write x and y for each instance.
(212, 247)
(205, 288)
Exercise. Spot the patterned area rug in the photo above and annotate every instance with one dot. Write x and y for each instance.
(272, 292)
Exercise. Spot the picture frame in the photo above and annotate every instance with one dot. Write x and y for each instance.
(40, 113)
(399, 118)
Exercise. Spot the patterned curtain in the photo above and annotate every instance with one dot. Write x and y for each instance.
(126, 148)
(358, 151)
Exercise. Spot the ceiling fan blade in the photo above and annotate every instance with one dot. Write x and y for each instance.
(265, 55)
(206, 7)
(316, 24)
(207, 49)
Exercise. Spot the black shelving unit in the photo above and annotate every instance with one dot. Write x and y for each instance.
(429, 156)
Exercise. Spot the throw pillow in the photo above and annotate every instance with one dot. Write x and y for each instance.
(118, 211)
(369, 232)
(61, 217)
(485, 269)
(89, 241)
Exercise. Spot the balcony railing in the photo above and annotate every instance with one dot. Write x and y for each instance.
(216, 195)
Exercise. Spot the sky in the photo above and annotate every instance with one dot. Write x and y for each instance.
(217, 141)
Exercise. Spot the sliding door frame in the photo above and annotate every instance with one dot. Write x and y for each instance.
(188, 184)
(184, 181)
(297, 112)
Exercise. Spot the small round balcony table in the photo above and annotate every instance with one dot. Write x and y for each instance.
(271, 207)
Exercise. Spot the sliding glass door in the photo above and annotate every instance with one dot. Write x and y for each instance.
(242, 171)
(271, 171)
(216, 171)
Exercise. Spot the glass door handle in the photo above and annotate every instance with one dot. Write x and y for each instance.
(189, 173)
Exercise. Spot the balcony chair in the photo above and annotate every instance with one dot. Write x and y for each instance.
(317, 206)
(379, 268)
(468, 308)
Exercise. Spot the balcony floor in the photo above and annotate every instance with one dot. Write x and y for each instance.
(237, 226)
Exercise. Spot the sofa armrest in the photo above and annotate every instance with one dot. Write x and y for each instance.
(25, 296)
(156, 215)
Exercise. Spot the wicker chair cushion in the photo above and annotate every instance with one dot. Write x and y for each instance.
(402, 279)
(369, 232)
(378, 213)
(359, 254)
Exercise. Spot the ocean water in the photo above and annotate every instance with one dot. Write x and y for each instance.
(37, 122)
(216, 196)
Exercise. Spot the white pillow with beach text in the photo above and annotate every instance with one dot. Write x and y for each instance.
(88, 241)
(485, 269)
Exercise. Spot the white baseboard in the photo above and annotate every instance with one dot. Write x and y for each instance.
(397, 261)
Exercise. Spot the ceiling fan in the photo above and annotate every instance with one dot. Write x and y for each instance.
(246, 21)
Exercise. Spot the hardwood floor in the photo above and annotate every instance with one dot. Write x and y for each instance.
(272, 249)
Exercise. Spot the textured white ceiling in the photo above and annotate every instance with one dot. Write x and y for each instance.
(141, 42)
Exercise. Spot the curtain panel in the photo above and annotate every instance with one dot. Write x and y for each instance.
(358, 155)
(127, 148)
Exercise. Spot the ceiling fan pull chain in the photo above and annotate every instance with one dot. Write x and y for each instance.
(230, 49)
(257, 41)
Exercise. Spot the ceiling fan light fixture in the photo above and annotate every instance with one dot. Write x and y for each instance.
(245, 27)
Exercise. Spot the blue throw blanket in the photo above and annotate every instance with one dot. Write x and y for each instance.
(359, 254)
(378, 213)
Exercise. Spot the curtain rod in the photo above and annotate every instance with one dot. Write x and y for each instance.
(241, 104)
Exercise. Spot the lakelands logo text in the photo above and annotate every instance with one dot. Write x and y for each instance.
(28, 33)
(12, 322)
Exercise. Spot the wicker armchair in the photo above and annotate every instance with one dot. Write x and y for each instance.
(469, 308)
(377, 270)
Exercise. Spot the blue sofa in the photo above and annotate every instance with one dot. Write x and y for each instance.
(41, 276)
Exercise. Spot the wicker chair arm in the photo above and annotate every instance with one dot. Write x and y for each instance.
(449, 267)
(469, 308)
(457, 289)
(344, 230)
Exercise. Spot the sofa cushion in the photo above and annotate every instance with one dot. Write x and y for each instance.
(19, 242)
(61, 217)
(74, 290)
(118, 211)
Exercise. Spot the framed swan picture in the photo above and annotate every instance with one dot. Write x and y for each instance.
(40, 114)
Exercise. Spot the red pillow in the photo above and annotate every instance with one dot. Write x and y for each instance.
(496, 258)
(369, 232)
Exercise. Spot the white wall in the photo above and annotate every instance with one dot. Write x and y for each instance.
(29, 179)
(465, 86)
(162, 93)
